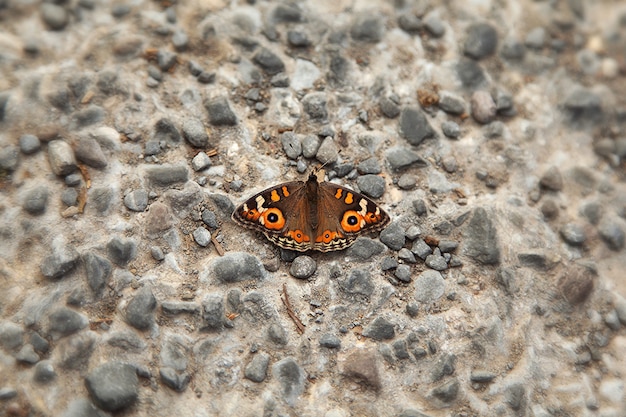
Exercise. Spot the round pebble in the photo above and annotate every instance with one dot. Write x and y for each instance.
(483, 107)
(303, 267)
(29, 144)
(202, 236)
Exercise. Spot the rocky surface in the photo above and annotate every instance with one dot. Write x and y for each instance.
(493, 133)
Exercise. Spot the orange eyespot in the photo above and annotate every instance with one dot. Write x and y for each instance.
(328, 237)
(273, 219)
(252, 214)
(298, 236)
(351, 221)
(371, 217)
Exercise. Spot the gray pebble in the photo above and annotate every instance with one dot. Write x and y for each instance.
(73, 180)
(481, 41)
(303, 267)
(406, 255)
(200, 162)
(434, 26)
(536, 38)
(136, 200)
(327, 152)
(11, 335)
(449, 164)
(140, 309)
(121, 251)
(102, 199)
(515, 396)
(69, 196)
(371, 185)
(59, 263)
(369, 166)
(54, 16)
(269, 62)
(339, 71)
(447, 391)
(604, 147)
(388, 263)
(98, 271)
(314, 104)
(40, 344)
(429, 286)
(157, 253)
(202, 236)
(29, 144)
(213, 312)
(612, 233)
(6, 393)
(421, 249)
(482, 243)
(292, 146)
(286, 13)
(367, 27)
(576, 284)
(407, 181)
(36, 200)
(471, 74)
(180, 40)
(166, 60)
(61, 157)
(409, 23)
(592, 211)
(173, 308)
(482, 377)
(513, 50)
(401, 158)
(88, 150)
(113, 386)
(178, 381)
(280, 80)
(400, 349)
(166, 131)
(310, 145)
(277, 334)
(364, 248)
(237, 267)
(573, 233)
(27, 354)
(120, 10)
(451, 103)
(194, 68)
(165, 175)
(414, 126)
(552, 179)
(380, 329)
(483, 107)
(358, 282)
(256, 370)
(393, 236)
(90, 115)
(436, 261)
(583, 105)
(298, 38)
(389, 109)
(195, 133)
(44, 371)
(64, 321)
(611, 319)
(330, 341)
(220, 113)
(504, 103)
(210, 219)
(9, 158)
(403, 273)
(291, 378)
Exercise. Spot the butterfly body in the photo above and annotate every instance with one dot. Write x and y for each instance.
(309, 215)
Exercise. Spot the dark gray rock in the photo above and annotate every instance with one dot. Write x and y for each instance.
(166, 175)
(102, 199)
(303, 267)
(436, 261)
(380, 329)
(400, 349)
(27, 355)
(369, 166)
(412, 413)
(447, 392)
(202, 236)
(573, 233)
(173, 308)
(62, 261)
(223, 203)
(339, 71)
(90, 115)
(29, 144)
(88, 150)
(64, 321)
(98, 271)
(592, 211)
(407, 181)
(237, 267)
(327, 152)
(359, 282)
(121, 251)
(414, 126)
(277, 334)
(180, 40)
(166, 59)
(410, 23)
(165, 131)
(256, 370)
(583, 106)
(367, 27)
(330, 341)
(298, 39)
(371, 185)
(220, 113)
(506, 277)
(513, 50)
(126, 340)
(69, 196)
(195, 133)
(451, 103)
(444, 366)
(389, 108)
(314, 104)
(481, 41)
(40, 344)
(44, 371)
(482, 377)
(82, 407)
(364, 248)
(113, 386)
(413, 309)
(515, 396)
(552, 179)
(9, 158)
(213, 312)
(286, 13)
(11, 335)
(291, 378)
(403, 273)
(178, 381)
(136, 200)
(54, 16)
(482, 242)
(421, 249)
(75, 350)
(269, 62)
(6, 393)
(400, 158)
(393, 236)
(406, 255)
(612, 233)
(576, 284)
(210, 219)
(429, 286)
(36, 200)
(140, 310)
(471, 74)
(292, 146)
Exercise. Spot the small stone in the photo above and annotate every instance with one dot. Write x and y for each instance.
(36, 200)
(612, 233)
(237, 267)
(44, 371)
(27, 355)
(327, 152)
(369, 166)
(314, 105)
(380, 329)
(280, 80)
(401, 158)
(389, 108)
(449, 164)
(61, 157)
(113, 386)
(362, 365)
(409, 23)
(421, 249)
(90, 115)
(310, 146)
(436, 261)
(407, 181)
(98, 271)
(573, 234)
(592, 211)
(403, 272)
(330, 341)
(549, 209)
(6, 393)
(166, 175)
(536, 38)
(483, 107)
(277, 334)
(388, 263)
(88, 150)
(178, 381)
(291, 378)
(513, 50)
(210, 219)
(140, 309)
(451, 103)
(447, 391)
(552, 179)
(268, 61)
(59, 263)
(482, 242)
(54, 16)
(200, 162)
(11, 335)
(286, 13)
(202, 236)
(481, 41)
(69, 196)
(136, 200)
(367, 28)
(303, 267)
(429, 286)
(195, 133)
(166, 60)
(121, 251)
(434, 26)
(292, 146)
(515, 396)
(29, 144)
(9, 158)
(165, 131)
(157, 253)
(393, 236)
(256, 370)
(371, 185)
(298, 39)
(180, 40)
(611, 319)
(213, 312)
(359, 282)
(220, 113)
(583, 105)
(414, 126)
(40, 344)
(364, 249)
(576, 284)
(65, 321)
(482, 377)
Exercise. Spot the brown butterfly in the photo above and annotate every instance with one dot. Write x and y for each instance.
(305, 215)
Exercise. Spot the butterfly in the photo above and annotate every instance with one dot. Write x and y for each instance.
(311, 215)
